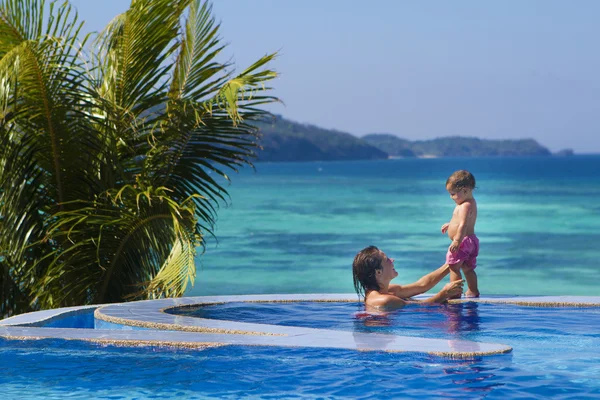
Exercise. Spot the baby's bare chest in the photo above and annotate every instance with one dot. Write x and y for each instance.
(471, 214)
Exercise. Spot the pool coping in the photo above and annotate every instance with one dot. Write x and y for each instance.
(146, 323)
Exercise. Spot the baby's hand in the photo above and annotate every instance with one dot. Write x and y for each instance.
(454, 246)
(445, 227)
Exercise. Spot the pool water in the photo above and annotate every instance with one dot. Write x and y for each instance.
(556, 354)
(553, 347)
(82, 319)
(54, 369)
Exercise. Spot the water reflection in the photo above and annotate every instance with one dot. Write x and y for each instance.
(462, 317)
(372, 318)
(474, 375)
(427, 321)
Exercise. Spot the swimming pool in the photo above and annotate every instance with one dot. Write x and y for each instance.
(555, 351)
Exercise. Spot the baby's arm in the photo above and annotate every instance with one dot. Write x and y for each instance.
(462, 213)
(445, 227)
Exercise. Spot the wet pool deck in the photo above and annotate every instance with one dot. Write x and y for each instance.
(146, 323)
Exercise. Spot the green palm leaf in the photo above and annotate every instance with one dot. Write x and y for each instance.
(112, 166)
(135, 243)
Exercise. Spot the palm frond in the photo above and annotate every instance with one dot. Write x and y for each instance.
(49, 79)
(244, 87)
(127, 244)
(204, 131)
(20, 20)
(134, 50)
(197, 75)
(112, 168)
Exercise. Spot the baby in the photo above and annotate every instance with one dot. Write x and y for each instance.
(463, 251)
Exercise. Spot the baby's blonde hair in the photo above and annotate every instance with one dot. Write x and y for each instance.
(461, 179)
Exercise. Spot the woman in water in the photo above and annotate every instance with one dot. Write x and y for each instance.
(373, 270)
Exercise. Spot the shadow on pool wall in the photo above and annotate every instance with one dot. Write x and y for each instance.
(155, 323)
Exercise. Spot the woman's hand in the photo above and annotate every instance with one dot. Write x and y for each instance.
(445, 227)
(453, 289)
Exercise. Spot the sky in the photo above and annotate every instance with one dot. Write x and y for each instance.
(421, 69)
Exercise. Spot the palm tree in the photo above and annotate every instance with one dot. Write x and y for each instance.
(112, 163)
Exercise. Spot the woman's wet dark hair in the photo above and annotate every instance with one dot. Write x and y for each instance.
(365, 265)
(461, 179)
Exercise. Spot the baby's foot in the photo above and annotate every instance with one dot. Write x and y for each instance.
(471, 294)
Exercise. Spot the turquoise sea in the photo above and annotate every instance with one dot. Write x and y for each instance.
(295, 227)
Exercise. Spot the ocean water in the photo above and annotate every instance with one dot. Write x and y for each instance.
(295, 227)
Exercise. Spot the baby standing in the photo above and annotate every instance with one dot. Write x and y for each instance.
(464, 249)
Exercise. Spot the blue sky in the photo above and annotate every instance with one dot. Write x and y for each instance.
(422, 69)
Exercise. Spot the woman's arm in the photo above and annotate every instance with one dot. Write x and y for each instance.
(422, 285)
(389, 301)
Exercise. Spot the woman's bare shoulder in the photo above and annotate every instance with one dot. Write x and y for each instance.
(384, 300)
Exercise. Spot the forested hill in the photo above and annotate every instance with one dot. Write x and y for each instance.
(455, 146)
(285, 140)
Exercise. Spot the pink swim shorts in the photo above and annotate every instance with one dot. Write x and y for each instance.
(467, 252)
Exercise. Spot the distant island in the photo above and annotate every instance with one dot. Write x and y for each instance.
(456, 146)
(285, 140)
